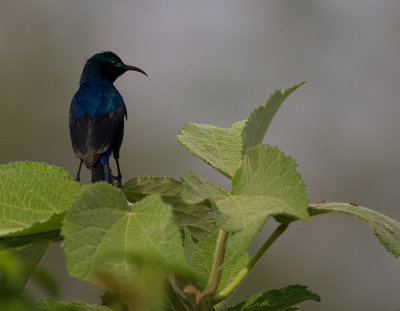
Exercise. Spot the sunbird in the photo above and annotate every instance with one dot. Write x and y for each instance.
(96, 116)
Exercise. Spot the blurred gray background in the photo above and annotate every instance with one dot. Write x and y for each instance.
(214, 62)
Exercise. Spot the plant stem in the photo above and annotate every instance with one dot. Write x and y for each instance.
(244, 272)
(216, 271)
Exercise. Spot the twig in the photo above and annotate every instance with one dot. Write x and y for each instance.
(244, 272)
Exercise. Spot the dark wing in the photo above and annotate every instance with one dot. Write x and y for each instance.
(91, 137)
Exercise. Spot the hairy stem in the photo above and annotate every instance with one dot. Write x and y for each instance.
(216, 271)
(245, 271)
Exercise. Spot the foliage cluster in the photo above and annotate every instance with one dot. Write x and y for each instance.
(160, 243)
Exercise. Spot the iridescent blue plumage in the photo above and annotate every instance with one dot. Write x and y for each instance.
(96, 115)
(97, 98)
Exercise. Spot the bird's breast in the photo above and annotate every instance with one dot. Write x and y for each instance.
(96, 99)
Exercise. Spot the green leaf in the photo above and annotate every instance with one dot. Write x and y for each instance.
(197, 189)
(193, 217)
(220, 148)
(38, 167)
(259, 120)
(200, 256)
(223, 148)
(104, 232)
(266, 184)
(49, 304)
(33, 197)
(277, 300)
(145, 289)
(17, 264)
(140, 187)
(385, 228)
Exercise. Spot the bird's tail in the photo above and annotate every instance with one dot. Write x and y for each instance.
(101, 172)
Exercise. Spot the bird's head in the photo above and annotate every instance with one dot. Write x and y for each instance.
(106, 65)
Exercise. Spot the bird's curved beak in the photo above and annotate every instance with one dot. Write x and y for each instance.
(133, 68)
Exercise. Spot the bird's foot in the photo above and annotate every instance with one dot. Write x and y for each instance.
(118, 179)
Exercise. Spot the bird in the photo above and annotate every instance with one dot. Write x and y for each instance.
(96, 116)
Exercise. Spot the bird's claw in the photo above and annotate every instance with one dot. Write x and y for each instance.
(118, 179)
